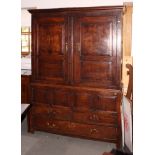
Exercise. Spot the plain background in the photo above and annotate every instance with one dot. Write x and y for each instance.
(143, 50)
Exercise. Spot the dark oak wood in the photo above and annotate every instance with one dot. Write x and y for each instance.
(25, 88)
(24, 114)
(76, 72)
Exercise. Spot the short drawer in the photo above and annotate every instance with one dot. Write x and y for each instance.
(50, 125)
(61, 113)
(99, 118)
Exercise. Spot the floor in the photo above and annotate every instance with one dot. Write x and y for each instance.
(41, 143)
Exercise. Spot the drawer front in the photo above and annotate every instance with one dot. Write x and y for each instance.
(45, 123)
(93, 131)
(51, 112)
(75, 129)
(62, 113)
(100, 118)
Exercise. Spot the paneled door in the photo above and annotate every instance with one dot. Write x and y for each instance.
(49, 49)
(96, 51)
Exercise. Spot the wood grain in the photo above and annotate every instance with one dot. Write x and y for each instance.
(76, 72)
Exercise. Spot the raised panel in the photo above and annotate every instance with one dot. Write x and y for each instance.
(83, 101)
(96, 71)
(39, 95)
(96, 51)
(96, 39)
(50, 55)
(51, 38)
(104, 102)
(62, 98)
(54, 70)
(93, 101)
(55, 97)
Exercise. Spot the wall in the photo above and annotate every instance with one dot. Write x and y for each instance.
(69, 3)
(26, 4)
(25, 18)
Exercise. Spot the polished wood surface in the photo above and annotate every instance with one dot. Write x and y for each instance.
(76, 72)
(25, 88)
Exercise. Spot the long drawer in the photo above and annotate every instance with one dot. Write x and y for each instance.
(75, 129)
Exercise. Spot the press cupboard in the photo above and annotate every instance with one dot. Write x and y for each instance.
(76, 72)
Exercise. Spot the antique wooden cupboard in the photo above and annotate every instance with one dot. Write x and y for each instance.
(76, 72)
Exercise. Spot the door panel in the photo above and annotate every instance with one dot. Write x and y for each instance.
(50, 60)
(88, 101)
(95, 51)
(55, 97)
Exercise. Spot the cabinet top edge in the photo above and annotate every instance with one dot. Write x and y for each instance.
(49, 10)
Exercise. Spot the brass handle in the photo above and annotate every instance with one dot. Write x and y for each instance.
(51, 125)
(94, 117)
(92, 131)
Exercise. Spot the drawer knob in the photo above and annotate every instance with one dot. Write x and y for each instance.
(94, 117)
(53, 125)
(92, 131)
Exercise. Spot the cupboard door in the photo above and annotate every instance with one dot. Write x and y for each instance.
(97, 51)
(50, 55)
